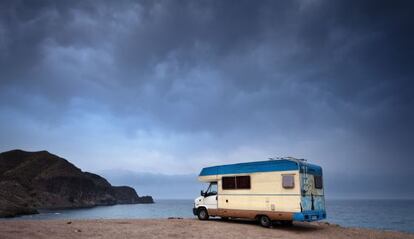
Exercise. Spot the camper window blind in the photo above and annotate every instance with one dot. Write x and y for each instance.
(288, 181)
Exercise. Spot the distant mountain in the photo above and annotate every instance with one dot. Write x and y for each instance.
(162, 186)
(41, 180)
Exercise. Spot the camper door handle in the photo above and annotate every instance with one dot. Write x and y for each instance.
(227, 200)
(216, 198)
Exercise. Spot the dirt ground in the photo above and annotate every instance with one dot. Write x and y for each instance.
(181, 228)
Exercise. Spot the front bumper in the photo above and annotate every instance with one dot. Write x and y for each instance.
(309, 216)
(195, 211)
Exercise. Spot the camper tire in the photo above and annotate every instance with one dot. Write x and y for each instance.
(264, 221)
(202, 214)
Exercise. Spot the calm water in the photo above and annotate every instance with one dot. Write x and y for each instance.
(381, 214)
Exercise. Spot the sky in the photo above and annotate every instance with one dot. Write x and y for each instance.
(147, 93)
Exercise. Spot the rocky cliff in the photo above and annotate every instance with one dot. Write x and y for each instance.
(40, 180)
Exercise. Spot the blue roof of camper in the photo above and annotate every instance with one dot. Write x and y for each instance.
(259, 166)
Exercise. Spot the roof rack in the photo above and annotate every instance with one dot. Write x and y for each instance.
(289, 158)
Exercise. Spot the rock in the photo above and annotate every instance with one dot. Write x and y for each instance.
(14, 200)
(40, 180)
(146, 199)
(128, 195)
(125, 195)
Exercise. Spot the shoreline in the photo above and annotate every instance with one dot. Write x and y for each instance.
(26, 218)
(182, 228)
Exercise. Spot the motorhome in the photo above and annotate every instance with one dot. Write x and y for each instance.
(283, 189)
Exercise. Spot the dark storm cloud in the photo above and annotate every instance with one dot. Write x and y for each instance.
(241, 72)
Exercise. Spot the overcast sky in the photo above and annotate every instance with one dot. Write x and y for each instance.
(168, 87)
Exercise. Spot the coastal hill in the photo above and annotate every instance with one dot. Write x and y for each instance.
(41, 180)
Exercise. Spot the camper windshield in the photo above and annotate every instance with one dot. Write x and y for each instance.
(212, 189)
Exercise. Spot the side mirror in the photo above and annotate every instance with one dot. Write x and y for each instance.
(202, 193)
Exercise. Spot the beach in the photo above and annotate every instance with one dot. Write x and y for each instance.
(181, 228)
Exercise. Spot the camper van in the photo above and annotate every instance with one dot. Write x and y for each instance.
(284, 190)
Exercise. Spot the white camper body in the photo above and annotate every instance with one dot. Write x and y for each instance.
(283, 190)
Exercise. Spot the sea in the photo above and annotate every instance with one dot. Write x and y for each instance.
(396, 215)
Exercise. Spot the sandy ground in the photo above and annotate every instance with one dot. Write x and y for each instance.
(180, 228)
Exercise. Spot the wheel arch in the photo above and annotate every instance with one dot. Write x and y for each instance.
(202, 207)
(257, 217)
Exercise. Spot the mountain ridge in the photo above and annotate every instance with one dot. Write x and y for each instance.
(41, 180)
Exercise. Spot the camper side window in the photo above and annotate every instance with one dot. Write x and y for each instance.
(243, 182)
(318, 181)
(229, 183)
(288, 181)
(238, 182)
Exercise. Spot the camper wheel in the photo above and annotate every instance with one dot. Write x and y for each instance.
(202, 214)
(265, 221)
